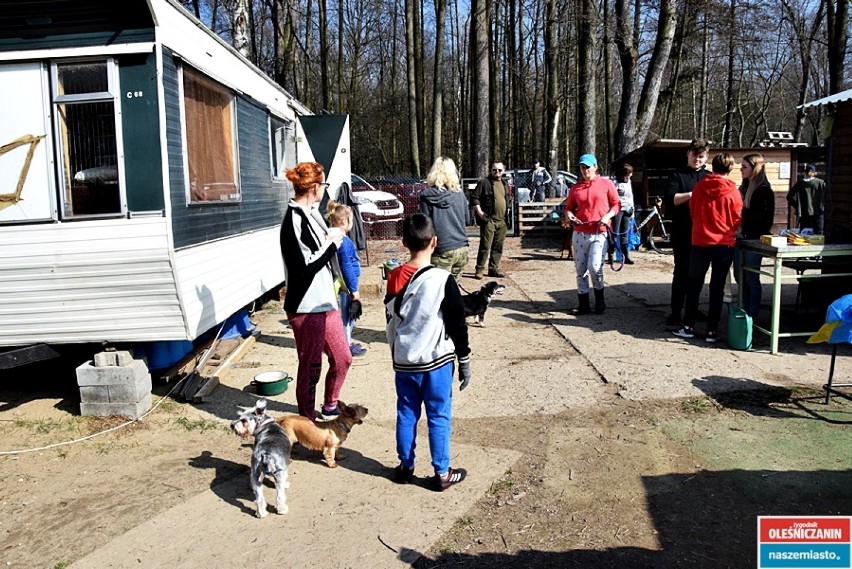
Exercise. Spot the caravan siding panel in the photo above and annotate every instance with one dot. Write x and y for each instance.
(263, 200)
(88, 282)
(230, 271)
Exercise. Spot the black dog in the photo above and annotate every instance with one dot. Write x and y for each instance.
(476, 303)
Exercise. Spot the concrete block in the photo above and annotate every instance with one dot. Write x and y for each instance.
(127, 393)
(117, 393)
(103, 359)
(123, 358)
(94, 394)
(132, 410)
(88, 374)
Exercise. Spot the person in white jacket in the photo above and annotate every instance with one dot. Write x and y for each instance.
(309, 249)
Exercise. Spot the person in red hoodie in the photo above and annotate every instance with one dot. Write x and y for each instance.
(716, 208)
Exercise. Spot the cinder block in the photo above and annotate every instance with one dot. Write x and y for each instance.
(118, 393)
(123, 358)
(132, 410)
(94, 393)
(103, 359)
(127, 393)
(88, 374)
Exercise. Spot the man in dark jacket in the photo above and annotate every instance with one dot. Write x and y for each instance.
(678, 192)
(490, 202)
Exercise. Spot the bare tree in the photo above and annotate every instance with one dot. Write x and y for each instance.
(638, 108)
(480, 111)
(438, 79)
(805, 30)
(838, 37)
(413, 134)
(587, 101)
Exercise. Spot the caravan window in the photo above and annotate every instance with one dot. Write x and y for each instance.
(278, 132)
(84, 103)
(210, 140)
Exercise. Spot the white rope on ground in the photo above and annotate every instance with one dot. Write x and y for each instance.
(55, 445)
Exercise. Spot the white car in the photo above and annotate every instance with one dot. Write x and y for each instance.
(375, 205)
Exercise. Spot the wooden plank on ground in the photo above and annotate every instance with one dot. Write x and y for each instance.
(223, 367)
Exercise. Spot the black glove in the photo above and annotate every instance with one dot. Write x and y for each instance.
(464, 374)
(355, 310)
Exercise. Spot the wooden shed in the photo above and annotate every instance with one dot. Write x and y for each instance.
(838, 171)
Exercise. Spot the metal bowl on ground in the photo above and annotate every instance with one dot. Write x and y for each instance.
(271, 382)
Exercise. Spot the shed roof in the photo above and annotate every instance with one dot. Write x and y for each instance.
(836, 98)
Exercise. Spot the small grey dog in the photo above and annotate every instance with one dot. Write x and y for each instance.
(270, 454)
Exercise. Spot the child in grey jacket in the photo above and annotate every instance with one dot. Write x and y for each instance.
(424, 344)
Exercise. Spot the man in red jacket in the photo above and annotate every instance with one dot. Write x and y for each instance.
(716, 207)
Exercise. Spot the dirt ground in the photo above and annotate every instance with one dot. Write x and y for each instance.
(575, 458)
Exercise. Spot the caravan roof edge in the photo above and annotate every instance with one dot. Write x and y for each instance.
(99, 50)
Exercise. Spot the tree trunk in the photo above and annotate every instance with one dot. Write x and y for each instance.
(419, 80)
(838, 35)
(666, 27)
(608, 57)
(705, 76)
(480, 127)
(551, 73)
(587, 98)
(325, 88)
(413, 135)
(626, 40)
(729, 88)
(341, 99)
(438, 79)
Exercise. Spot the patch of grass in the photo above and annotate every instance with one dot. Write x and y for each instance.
(46, 426)
(62, 453)
(62, 564)
(201, 425)
(696, 405)
(465, 522)
(168, 405)
(500, 485)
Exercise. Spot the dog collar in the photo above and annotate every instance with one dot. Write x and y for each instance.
(342, 425)
(263, 423)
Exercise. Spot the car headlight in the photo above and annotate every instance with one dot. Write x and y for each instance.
(359, 200)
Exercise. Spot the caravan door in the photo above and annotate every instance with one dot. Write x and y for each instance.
(26, 166)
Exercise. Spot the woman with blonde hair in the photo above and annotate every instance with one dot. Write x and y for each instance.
(444, 202)
(309, 249)
(758, 217)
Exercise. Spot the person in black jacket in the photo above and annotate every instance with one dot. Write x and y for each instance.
(678, 192)
(758, 218)
(490, 202)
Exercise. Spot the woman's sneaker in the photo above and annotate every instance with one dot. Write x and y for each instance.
(685, 332)
(711, 337)
(328, 413)
(453, 476)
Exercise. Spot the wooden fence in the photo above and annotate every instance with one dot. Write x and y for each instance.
(534, 218)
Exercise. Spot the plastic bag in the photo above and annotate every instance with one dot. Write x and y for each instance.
(633, 237)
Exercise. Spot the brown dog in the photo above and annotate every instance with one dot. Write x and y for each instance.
(326, 436)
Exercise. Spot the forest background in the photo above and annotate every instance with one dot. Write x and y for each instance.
(550, 79)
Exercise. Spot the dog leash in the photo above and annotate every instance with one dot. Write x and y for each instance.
(613, 238)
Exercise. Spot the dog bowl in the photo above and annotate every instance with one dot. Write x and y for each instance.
(271, 382)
